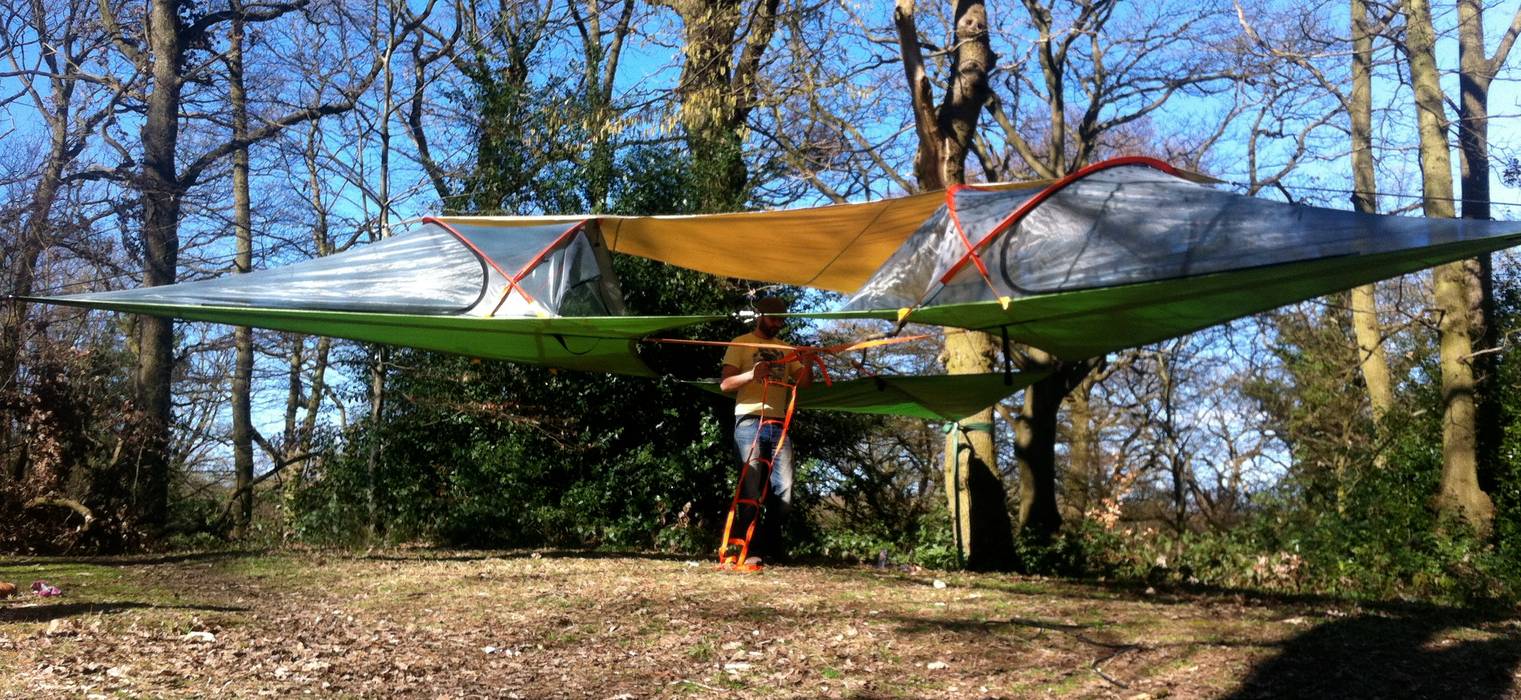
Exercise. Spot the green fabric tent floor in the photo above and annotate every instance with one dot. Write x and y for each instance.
(1071, 325)
(1091, 322)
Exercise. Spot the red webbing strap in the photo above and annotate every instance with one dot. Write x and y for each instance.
(1045, 194)
(477, 251)
(810, 356)
(514, 281)
(971, 251)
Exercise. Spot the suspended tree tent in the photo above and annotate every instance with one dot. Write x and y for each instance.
(1123, 253)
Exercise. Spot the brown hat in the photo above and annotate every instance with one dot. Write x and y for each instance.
(771, 305)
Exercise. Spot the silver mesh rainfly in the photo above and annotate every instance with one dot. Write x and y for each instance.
(424, 269)
(1131, 224)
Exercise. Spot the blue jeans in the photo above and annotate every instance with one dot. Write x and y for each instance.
(754, 440)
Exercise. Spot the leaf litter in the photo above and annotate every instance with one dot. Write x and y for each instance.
(451, 624)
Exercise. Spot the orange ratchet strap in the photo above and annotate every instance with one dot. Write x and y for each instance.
(799, 353)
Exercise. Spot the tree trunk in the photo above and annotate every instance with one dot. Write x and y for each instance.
(162, 194)
(967, 92)
(1459, 494)
(1176, 459)
(299, 437)
(242, 374)
(1082, 460)
(376, 491)
(314, 393)
(977, 496)
(1035, 454)
(973, 485)
(373, 504)
(1373, 362)
(717, 94)
(707, 106)
(1475, 73)
(601, 69)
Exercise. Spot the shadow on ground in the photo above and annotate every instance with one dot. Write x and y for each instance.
(1400, 653)
(1378, 650)
(446, 554)
(45, 613)
(133, 559)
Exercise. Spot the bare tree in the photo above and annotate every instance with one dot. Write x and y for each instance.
(602, 53)
(1297, 58)
(1370, 338)
(1127, 68)
(945, 138)
(718, 90)
(164, 47)
(1459, 493)
(48, 47)
(1476, 72)
(242, 375)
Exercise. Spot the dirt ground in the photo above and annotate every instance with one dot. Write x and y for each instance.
(450, 624)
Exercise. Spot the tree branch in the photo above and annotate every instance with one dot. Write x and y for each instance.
(1011, 135)
(119, 37)
(61, 502)
(271, 128)
(927, 159)
(270, 12)
(1502, 51)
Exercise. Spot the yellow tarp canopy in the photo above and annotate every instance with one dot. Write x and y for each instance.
(834, 247)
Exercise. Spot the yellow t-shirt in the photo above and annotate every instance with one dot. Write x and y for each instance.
(754, 399)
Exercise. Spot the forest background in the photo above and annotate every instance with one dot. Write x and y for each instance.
(1360, 444)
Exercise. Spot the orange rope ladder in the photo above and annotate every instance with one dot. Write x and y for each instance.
(738, 561)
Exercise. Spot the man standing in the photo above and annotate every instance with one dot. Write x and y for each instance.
(759, 408)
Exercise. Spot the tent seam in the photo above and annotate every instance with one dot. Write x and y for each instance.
(848, 244)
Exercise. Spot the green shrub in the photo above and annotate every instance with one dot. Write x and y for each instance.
(926, 542)
(1384, 542)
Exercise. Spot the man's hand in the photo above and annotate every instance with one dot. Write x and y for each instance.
(804, 377)
(761, 370)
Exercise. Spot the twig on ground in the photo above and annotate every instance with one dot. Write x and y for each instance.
(1106, 659)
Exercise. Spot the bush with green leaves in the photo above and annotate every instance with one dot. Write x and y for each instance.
(1376, 536)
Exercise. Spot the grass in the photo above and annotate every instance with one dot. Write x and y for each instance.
(429, 623)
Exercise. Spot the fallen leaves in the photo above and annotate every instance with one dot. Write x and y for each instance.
(613, 627)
